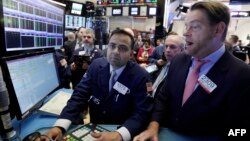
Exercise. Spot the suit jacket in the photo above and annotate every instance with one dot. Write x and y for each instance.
(69, 47)
(203, 113)
(76, 75)
(131, 110)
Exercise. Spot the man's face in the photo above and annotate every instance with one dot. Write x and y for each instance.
(80, 33)
(119, 50)
(199, 34)
(88, 39)
(173, 47)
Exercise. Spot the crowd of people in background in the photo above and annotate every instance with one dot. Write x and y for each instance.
(175, 61)
(146, 52)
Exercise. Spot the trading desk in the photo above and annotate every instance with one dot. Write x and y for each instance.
(41, 122)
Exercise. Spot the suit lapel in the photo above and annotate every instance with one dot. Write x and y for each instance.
(182, 75)
(216, 74)
(104, 74)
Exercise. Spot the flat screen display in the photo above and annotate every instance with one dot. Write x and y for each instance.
(76, 8)
(32, 78)
(74, 22)
(31, 24)
(134, 11)
(117, 11)
(152, 11)
(239, 2)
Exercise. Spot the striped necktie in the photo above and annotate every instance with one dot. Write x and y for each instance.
(112, 79)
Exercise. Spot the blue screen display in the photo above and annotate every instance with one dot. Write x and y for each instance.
(33, 78)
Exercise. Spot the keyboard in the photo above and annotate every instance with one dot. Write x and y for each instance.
(82, 133)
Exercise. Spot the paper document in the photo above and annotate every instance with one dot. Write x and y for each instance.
(56, 104)
(151, 68)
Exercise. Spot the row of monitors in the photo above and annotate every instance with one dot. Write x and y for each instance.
(107, 2)
(131, 11)
(29, 25)
(75, 21)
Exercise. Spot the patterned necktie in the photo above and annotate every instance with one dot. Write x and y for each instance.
(192, 80)
(112, 80)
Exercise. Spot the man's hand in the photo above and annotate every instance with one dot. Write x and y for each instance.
(73, 66)
(146, 135)
(54, 133)
(107, 136)
(151, 133)
(160, 62)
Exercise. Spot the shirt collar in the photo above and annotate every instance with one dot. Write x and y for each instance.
(118, 71)
(215, 56)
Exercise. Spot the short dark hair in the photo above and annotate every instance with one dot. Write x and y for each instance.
(235, 38)
(124, 32)
(216, 12)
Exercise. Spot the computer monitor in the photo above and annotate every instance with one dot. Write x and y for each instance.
(134, 11)
(152, 10)
(28, 25)
(30, 79)
(116, 11)
(239, 2)
(76, 8)
(74, 22)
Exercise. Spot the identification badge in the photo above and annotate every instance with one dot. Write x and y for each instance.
(207, 84)
(82, 52)
(120, 88)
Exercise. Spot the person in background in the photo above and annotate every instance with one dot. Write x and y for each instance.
(72, 45)
(157, 57)
(207, 108)
(144, 52)
(159, 42)
(87, 50)
(63, 68)
(128, 106)
(138, 45)
(174, 44)
(233, 40)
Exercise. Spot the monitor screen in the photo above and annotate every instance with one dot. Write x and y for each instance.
(76, 8)
(116, 11)
(31, 25)
(152, 11)
(137, 1)
(151, 1)
(30, 79)
(239, 2)
(74, 22)
(134, 10)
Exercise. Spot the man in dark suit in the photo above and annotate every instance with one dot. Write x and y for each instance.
(220, 100)
(124, 102)
(88, 52)
(71, 45)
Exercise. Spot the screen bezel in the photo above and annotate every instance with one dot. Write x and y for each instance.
(14, 104)
(119, 8)
(138, 10)
(3, 49)
(151, 7)
(72, 8)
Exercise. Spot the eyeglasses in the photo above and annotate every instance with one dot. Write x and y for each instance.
(87, 37)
